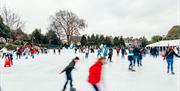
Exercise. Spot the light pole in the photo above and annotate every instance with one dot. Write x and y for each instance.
(33, 40)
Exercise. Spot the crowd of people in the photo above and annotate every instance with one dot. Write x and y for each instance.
(134, 56)
(104, 54)
(20, 52)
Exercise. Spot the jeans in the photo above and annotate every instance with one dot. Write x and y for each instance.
(32, 55)
(4, 54)
(122, 55)
(136, 58)
(99, 55)
(169, 65)
(110, 58)
(18, 55)
(130, 58)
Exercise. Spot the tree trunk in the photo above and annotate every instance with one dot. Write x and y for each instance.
(68, 39)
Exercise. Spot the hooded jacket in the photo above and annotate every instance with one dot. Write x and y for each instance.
(95, 73)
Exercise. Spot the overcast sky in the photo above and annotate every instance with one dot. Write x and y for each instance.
(110, 17)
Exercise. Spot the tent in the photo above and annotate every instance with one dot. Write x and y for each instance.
(166, 43)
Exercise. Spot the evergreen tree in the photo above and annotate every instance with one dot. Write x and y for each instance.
(101, 39)
(89, 41)
(144, 42)
(97, 42)
(108, 41)
(92, 39)
(116, 42)
(52, 37)
(36, 36)
(83, 41)
(122, 43)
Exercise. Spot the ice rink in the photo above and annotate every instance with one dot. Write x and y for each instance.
(41, 74)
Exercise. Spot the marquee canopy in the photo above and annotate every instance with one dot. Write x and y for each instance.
(165, 43)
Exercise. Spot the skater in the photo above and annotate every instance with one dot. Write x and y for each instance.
(21, 51)
(136, 55)
(170, 59)
(68, 71)
(122, 52)
(59, 51)
(178, 49)
(4, 52)
(18, 53)
(26, 52)
(154, 52)
(92, 50)
(110, 55)
(45, 50)
(11, 56)
(140, 57)
(117, 50)
(7, 61)
(32, 51)
(75, 50)
(86, 53)
(105, 54)
(130, 58)
(99, 52)
(54, 51)
(95, 73)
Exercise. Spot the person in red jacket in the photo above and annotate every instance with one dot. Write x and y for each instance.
(118, 50)
(33, 51)
(7, 61)
(95, 73)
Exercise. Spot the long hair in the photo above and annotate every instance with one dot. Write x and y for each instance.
(100, 59)
(170, 49)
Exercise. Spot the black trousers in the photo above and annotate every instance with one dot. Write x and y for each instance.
(110, 58)
(95, 87)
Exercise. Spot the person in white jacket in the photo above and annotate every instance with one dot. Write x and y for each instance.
(4, 52)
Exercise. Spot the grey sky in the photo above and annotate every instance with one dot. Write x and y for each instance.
(110, 17)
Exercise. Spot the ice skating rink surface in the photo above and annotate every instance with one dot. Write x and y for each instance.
(41, 74)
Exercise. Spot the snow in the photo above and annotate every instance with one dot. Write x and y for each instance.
(41, 74)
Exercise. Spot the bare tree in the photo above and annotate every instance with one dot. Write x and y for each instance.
(11, 19)
(68, 23)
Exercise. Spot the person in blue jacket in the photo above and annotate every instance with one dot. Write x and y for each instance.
(130, 58)
(136, 55)
(99, 52)
(105, 53)
(169, 56)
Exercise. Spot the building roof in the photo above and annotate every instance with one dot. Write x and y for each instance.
(165, 43)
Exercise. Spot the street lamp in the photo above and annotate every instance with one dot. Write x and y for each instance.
(33, 40)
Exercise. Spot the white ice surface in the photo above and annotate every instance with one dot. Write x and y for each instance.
(41, 74)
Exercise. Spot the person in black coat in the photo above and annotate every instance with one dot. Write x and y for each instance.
(169, 56)
(68, 69)
(54, 50)
(136, 56)
(59, 51)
